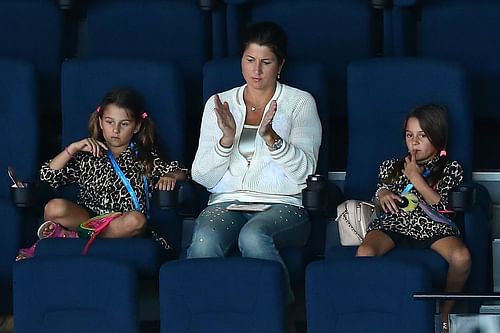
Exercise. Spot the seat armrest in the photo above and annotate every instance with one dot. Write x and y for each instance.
(321, 195)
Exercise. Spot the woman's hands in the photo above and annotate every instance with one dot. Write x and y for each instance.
(225, 121)
(227, 125)
(266, 130)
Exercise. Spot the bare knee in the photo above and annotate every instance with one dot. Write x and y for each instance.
(131, 224)
(55, 209)
(460, 259)
(366, 250)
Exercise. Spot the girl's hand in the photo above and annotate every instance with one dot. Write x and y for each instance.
(225, 121)
(90, 145)
(166, 183)
(411, 168)
(266, 130)
(388, 201)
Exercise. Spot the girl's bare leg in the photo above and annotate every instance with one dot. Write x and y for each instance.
(454, 251)
(130, 224)
(66, 213)
(376, 243)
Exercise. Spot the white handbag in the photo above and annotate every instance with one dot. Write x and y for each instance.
(353, 217)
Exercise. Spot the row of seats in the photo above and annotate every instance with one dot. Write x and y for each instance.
(332, 32)
(380, 92)
(92, 294)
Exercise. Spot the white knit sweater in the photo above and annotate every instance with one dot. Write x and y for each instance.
(281, 173)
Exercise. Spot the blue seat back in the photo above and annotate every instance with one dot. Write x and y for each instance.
(221, 295)
(175, 31)
(360, 295)
(19, 128)
(75, 293)
(331, 32)
(84, 83)
(463, 31)
(380, 94)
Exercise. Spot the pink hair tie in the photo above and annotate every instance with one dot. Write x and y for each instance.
(144, 115)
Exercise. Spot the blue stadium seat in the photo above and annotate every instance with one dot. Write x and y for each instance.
(462, 31)
(32, 31)
(162, 31)
(332, 32)
(222, 295)
(380, 93)
(75, 294)
(359, 295)
(19, 128)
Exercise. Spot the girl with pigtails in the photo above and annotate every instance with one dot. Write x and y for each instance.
(412, 194)
(115, 168)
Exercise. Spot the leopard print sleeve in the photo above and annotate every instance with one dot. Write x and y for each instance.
(453, 175)
(385, 169)
(67, 175)
(161, 166)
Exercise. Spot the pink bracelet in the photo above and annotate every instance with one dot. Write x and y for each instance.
(68, 152)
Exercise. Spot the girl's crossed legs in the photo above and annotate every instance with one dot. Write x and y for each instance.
(70, 215)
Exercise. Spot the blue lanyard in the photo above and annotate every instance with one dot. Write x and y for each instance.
(408, 187)
(126, 182)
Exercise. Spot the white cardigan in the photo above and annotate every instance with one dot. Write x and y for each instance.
(282, 172)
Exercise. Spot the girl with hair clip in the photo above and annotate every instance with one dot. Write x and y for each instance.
(413, 192)
(116, 168)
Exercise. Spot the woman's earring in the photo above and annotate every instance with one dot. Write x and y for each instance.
(443, 153)
(279, 76)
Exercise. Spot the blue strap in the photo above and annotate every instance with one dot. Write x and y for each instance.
(126, 182)
(408, 187)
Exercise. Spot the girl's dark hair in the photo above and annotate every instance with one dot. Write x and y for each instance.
(433, 121)
(133, 102)
(267, 34)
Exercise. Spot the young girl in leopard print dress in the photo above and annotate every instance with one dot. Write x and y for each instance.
(121, 135)
(426, 176)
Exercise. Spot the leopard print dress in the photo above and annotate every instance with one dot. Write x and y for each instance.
(100, 188)
(417, 224)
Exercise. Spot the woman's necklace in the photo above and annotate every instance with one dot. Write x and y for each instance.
(255, 107)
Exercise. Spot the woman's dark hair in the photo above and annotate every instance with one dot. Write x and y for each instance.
(268, 34)
(133, 102)
(433, 121)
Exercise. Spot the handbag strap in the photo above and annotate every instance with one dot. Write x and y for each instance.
(345, 215)
(98, 231)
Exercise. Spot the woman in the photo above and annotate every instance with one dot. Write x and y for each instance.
(258, 143)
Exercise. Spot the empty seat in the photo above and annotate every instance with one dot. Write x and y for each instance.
(75, 294)
(19, 128)
(32, 31)
(359, 295)
(223, 295)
